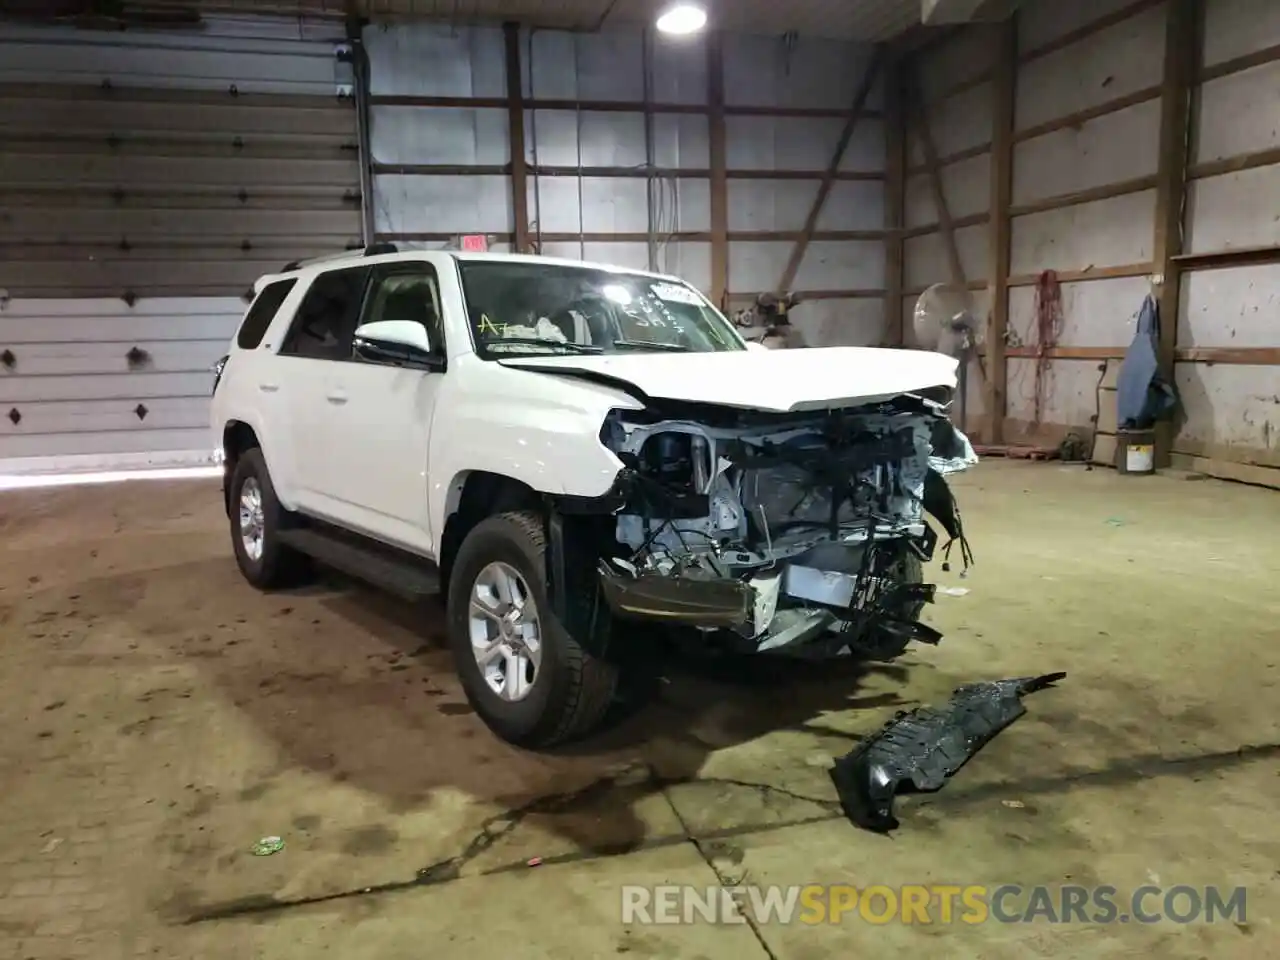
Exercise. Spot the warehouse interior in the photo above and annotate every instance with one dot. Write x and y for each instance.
(1057, 167)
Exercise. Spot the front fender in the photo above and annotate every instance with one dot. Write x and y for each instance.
(541, 430)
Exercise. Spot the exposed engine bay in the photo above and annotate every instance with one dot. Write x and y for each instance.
(797, 533)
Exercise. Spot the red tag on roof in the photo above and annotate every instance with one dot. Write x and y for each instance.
(475, 243)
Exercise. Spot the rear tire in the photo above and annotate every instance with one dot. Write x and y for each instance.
(537, 686)
(256, 521)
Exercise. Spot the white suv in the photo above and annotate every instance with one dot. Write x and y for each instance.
(566, 450)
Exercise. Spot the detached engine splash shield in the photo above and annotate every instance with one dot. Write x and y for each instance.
(924, 747)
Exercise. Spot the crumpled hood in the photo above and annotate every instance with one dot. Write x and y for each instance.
(782, 381)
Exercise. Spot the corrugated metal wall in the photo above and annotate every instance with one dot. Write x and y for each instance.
(589, 143)
(1086, 160)
(1231, 308)
(146, 180)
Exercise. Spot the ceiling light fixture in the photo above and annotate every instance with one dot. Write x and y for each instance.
(684, 18)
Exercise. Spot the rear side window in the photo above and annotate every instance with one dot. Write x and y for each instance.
(260, 315)
(326, 319)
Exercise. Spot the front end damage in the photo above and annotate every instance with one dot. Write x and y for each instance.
(797, 533)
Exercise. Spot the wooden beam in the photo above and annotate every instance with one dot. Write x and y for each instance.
(1000, 230)
(1112, 19)
(1226, 470)
(1238, 257)
(1081, 117)
(1236, 164)
(1245, 356)
(856, 112)
(1177, 88)
(741, 296)
(611, 106)
(1089, 195)
(919, 113)
(895, 209)
(959, 223)
(1088, 273)
(968, 153)
(972, 285)
(515, 137)
(963, 86)
(1258, 58)
(621, 173)
(622, 236)
(719, 186)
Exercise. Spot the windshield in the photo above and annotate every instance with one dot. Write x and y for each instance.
(542, 308)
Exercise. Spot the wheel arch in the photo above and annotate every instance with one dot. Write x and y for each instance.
(474, 495)
(237, 437)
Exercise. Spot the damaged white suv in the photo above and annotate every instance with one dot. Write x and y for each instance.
(567, 450)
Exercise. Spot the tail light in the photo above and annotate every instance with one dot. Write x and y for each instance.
(217, 369)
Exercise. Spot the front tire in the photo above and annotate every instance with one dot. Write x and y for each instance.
(256, 520)
(531, 682)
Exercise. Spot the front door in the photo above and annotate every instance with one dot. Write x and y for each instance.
(380, 416)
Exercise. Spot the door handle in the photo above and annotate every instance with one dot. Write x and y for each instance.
(336, 397)
(268, 387)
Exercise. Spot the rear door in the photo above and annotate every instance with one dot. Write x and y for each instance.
(317, 344)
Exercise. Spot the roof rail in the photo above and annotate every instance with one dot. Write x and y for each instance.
(372, 250)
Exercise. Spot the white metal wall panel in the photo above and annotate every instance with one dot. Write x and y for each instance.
(1239, 114)
(1231, 411)
(841, 322)
(1234, 28)
(1114, 147)
(617, 205)
(1041, 23)
(928, 260)
(1098, 313)
(966, 184)
(1099, 234)
(1109, 149)
(1107, 65)
(1231, 307)
(805, 73)
(960, 122)
(576, 215)
(1069, 388)
(801, 143)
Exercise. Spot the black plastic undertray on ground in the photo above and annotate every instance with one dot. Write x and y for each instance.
(919, 750)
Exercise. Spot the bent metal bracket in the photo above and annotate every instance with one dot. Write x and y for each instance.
(919, 750)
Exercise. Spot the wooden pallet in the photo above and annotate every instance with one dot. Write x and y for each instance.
(1014, 451)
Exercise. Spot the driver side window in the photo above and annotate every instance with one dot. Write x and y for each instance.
(407, 293)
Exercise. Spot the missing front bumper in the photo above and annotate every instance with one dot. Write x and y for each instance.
(819, 606)
(709, 603)
(921, 749)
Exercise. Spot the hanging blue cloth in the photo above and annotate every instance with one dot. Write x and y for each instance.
(1143, 395)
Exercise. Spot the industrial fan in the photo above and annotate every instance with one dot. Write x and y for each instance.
(944, 322)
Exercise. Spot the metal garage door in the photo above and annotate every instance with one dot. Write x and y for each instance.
(146, 179)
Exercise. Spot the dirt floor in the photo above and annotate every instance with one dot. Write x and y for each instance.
(158, 716)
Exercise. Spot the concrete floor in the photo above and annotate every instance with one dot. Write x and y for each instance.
(158, 716)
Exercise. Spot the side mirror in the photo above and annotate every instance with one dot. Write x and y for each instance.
(395, 341)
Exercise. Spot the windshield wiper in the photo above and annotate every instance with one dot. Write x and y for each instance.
(651, 345)
(567, 345)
